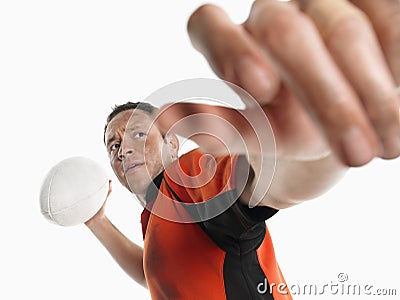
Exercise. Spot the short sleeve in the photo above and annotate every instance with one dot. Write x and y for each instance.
(212, 184)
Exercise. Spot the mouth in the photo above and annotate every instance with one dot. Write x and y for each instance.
(132, 166)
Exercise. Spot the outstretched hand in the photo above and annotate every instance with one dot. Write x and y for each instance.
(321, 69)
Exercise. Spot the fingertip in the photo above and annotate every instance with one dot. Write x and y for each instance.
(201, 16)
(109, 186)
(392, 147)
(356, 148)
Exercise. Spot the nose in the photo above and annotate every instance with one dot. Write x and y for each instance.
(124, 152)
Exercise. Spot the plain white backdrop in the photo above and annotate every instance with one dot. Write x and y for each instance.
(63, 65)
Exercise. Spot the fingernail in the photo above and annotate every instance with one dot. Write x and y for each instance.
(357, 149)
(391, 147)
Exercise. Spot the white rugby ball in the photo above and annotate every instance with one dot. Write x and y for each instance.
(73, 191)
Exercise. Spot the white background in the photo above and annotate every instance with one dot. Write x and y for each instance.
(63, 65)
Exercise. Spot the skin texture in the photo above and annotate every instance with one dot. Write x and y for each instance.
(127, 254)
(132, 140)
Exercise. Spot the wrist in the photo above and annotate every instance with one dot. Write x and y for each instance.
(96, 221)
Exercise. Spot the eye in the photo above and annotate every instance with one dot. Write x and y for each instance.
(139, 135)
(114, 147)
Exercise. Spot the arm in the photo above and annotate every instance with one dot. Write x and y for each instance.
(325, 74)
(297, 173)
(126, 253)
(294, 181)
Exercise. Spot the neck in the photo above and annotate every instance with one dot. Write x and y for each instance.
(142, 199)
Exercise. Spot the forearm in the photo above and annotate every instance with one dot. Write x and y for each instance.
(293, 181)
(296, 181)
(126, 253)
(301, 165)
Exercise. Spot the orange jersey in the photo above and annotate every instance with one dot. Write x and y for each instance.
(196, 251)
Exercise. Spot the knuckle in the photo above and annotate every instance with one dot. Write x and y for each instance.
(350, 28)
(390, 28)
(286, 29)
(201, 12)
(204, 9)
(333, 16)
(384, 117)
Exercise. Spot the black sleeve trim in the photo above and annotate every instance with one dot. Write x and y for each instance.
(256, 214)
(244, 175)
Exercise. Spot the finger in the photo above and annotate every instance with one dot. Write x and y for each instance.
(385, 17)
(211, 127)
(232, 53)
(109, 188)
(294, 44)
(352, 42)
(216, 129)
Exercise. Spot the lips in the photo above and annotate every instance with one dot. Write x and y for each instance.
(132, 166)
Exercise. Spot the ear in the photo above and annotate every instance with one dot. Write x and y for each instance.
(172, 142)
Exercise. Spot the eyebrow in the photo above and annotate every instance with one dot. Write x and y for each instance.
(136, 126)
(110, 140)
(130, 128)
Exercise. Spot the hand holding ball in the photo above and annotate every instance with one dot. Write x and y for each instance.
(73, 191)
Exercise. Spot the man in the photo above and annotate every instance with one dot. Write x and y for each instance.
(223, 256)
(326, 112)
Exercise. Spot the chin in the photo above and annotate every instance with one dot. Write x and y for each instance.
(138, 188)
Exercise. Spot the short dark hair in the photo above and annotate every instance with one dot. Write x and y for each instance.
(144, 106)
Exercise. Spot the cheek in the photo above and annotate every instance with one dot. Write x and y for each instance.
(116, 165)
(153, 157)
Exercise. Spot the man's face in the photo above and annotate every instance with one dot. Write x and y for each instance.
(137, 150)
